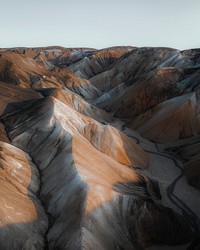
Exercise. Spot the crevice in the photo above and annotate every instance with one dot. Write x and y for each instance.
(49, 216)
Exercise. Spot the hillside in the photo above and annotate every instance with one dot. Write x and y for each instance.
(99, 149)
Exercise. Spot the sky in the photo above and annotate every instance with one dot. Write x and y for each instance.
(100, 23)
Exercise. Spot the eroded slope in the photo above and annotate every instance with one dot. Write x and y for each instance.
(76, 119)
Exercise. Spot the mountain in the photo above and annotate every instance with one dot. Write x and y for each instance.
(99, 149)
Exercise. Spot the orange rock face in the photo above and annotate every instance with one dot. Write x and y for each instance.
(21, 211)
(95, 146)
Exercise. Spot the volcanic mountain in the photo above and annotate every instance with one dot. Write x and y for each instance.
(99, 149)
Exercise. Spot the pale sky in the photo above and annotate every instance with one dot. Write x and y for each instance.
(100, 24)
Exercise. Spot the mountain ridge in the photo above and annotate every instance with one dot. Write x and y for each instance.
(112, 134)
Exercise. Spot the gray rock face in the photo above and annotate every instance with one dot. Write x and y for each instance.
(77, 176)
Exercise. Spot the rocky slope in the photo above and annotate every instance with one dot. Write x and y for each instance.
(99, 149)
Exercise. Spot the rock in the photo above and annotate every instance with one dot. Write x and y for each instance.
(92, 148)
